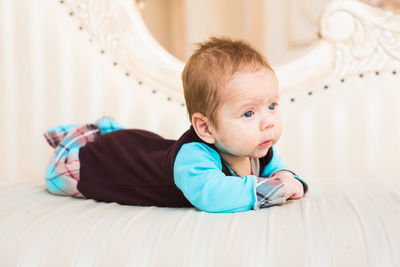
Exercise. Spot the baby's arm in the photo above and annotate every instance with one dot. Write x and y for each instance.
(198, 174)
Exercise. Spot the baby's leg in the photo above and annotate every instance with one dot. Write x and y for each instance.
(62, 174)
(55, 135)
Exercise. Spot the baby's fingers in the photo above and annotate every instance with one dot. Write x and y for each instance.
(294, 192)
(289, 195)
(296, 195)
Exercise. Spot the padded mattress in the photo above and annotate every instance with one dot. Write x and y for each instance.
(351, 221)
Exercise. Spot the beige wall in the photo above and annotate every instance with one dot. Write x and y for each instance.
(279, 29)
(237, 19)
(166, 21)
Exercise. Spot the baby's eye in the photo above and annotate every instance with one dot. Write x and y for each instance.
(248, 114)
(273, 106)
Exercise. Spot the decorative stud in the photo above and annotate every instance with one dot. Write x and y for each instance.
(182, 104)
(292, 99)
(394, 72)
(61, 1)
(71, 13)
(326, 87)
(80, 28)
(102, 51)
(310, 93)
(169, 98)
(127, 74)
(376, 72)
(115, 63)
(154, 91)
(361, 75)
(342, 80)
(140, 82)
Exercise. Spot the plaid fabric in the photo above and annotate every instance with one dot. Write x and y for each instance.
(56, 134)
(62, 173)
(269, 191)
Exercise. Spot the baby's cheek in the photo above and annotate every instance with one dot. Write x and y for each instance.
(230, 142)
(224, 139)
(278, 129)
(279, 133)
(279, 125)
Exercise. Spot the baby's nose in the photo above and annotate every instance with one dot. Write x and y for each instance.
(266, 124)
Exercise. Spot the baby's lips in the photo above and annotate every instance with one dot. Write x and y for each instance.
(266, 143)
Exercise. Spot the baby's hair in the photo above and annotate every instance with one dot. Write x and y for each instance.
(211, 67)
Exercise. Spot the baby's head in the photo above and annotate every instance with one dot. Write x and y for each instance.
(227, 84)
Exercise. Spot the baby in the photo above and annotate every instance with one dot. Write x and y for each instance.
(225, 162)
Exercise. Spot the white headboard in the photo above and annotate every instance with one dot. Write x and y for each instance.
(341, 101)
(75, 61)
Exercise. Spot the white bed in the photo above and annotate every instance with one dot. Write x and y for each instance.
(341, 108)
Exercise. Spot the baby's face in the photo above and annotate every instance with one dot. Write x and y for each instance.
(249, 121)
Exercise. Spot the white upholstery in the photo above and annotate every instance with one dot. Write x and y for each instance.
(344, 140)
(350, 128)
(340, 223)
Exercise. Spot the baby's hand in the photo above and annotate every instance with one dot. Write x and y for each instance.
(294, 188)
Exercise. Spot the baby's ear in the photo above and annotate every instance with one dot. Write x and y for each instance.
(203, 127)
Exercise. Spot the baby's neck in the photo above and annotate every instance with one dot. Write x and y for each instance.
(240, 165)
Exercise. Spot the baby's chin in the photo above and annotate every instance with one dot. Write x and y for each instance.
(261, 154)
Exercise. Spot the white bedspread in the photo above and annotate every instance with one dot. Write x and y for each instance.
(352, 221)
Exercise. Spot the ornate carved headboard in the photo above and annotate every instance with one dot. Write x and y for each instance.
(340, 101)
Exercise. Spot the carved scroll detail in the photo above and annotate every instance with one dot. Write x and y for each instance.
(118, 28)
(359, 37)
(365, 38)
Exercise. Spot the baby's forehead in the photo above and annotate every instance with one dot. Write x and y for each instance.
(247, 85)
(247, 99)
(244, 77)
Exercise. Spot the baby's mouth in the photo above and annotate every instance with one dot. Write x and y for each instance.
(265, 144)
